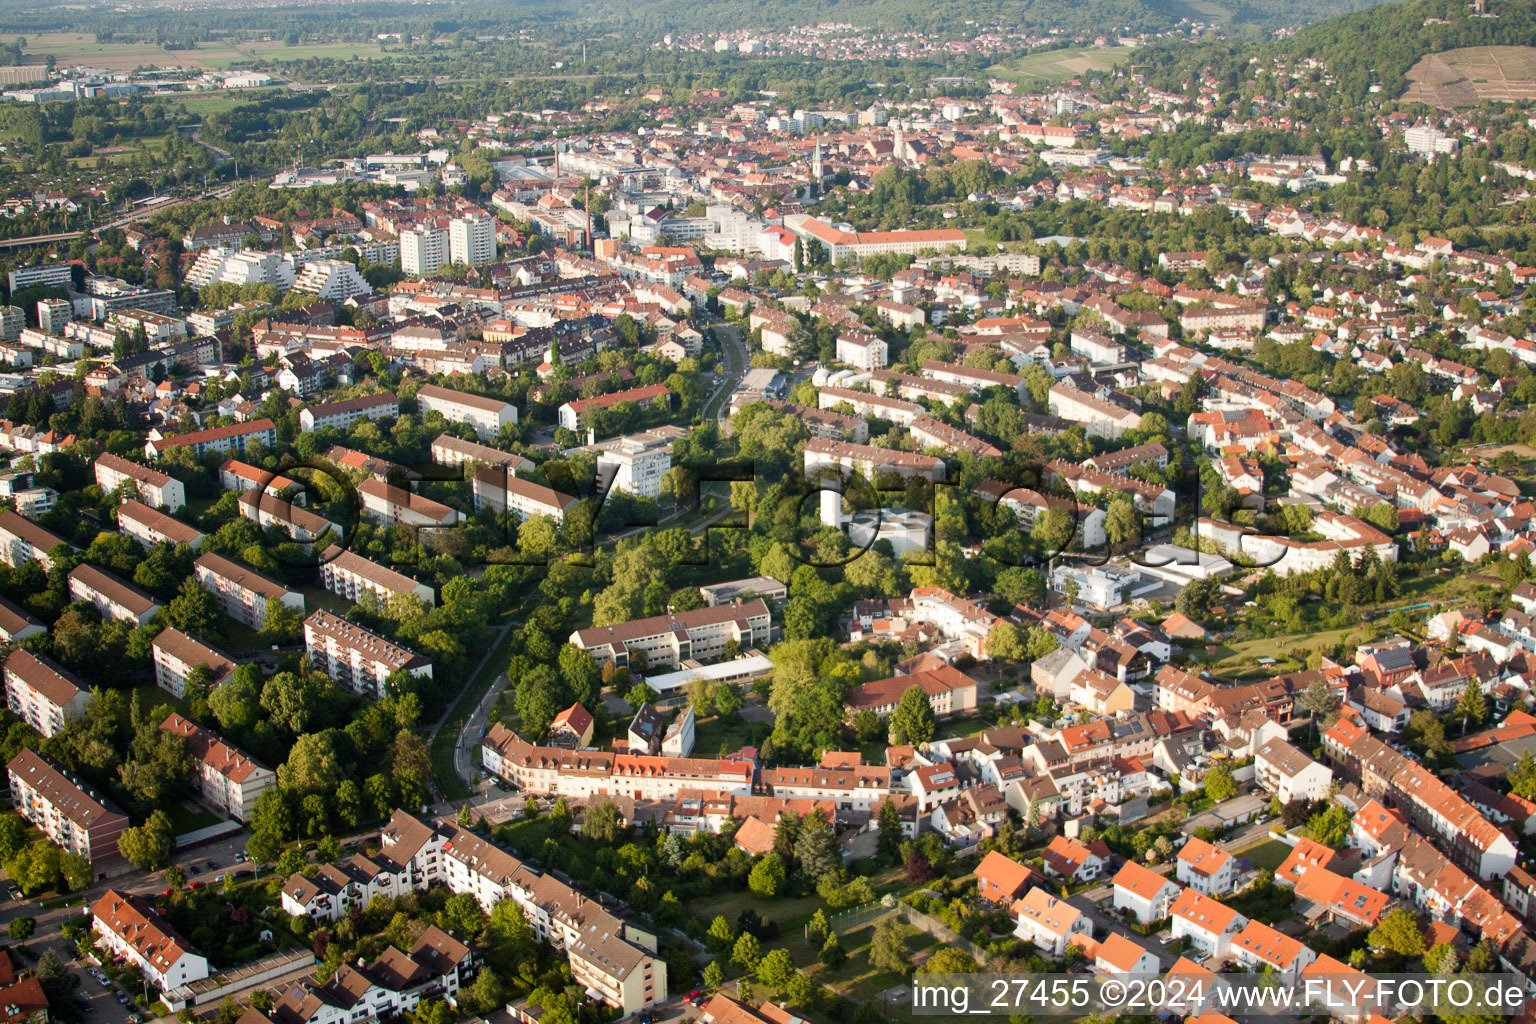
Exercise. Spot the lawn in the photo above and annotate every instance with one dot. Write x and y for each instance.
(1269, 854)
(186, 819)
(1237, 660)
(714, 735)
(1059, 65)
(70, 48)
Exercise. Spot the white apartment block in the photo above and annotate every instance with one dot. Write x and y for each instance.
(113, 598)
(637, 462)
(128, 926)
(336, 280)
(357, 658)
(22, 540)
(176, 654)
(495, 488)
(869, 461)
(401, 506)
(150, 526)
(472, 240)
(486, 415)
(350, 575)
(243, 592)
(341, 415)
(700, 634)
(42, 693)
(230, 779)
(862, 351)
(54, 275)
(68, 812)
(1101, 418)
(154, 488)
(423, 251)
(1287, 772)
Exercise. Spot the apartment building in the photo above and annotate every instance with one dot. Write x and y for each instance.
(766, 587)
(44, 694)
(867, 403)
(175, 655)
(486, 415)
(472, 240)
(496, 489)
(1289, 774)
(1100, 418)
(862, 350)
(233, 437)
(448, 450)
(350, 575)
(16, 623)
(423, 250)
(357, 658)
(574, 414)
(235, 475)
(337, 280)
(390, 988)
(585, 774)
(132, 929)
(871, 462)
(388, 505)
(669, 640)
(67, 811)
(229, 778)
(154, 488)
(243, 593)
(150, 526)
(22, 540)
(949, 692)
(341, 415)
(300, 524)
(637, 462)
(113, 598)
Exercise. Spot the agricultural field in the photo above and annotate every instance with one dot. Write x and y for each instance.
(72, 48)
(1469, 76)
(1060, 65)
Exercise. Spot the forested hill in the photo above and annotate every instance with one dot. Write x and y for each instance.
(1378, 46)
(647, 20)
(1374, 47)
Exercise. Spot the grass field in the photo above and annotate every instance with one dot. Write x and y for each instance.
(1270, 854)
(1472, 75)
(71, 48)
(1059, 65)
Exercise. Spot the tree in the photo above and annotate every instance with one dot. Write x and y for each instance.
(463, 917)
(1522, 777)
(148, 845)
(832, 953)
(888, 948)
(747, 952)
(1330, 826)
(816, 847)
(949, 960)
(13, 835)
(912, 721)
(1398, 932)
(776, 968)
(721, 936)
(714, 976)
(601, 822)
(1005, 640)
(1122, 524)
(1219, 783)
(21, 928)
(1318, 701)
(1473, 706)
(888, 840)
(768, 876)
(728, 701)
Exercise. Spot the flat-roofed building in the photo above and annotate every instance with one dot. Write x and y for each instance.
(154, 488)
(42, 693)
(150, 526)
(358, 658)
(22, 540)
(231, 780)
(496, 489)
(341, 415)
(243, 592)
(766, 587)
(670, 640)
(486, 415)
(113, 598)
(350, 575)
(66, 810)
(176, 654)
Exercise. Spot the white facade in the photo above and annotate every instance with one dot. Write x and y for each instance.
(423, 251)
(472, 240)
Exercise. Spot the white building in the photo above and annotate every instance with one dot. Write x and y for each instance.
(637, 462)
(357, 658)
(486, 415)
(1290, 774)
(154, 488)
(1146, 894)
(331, 279)
(42, 693)
(423, 251)
(128, 926)
(472, 240)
